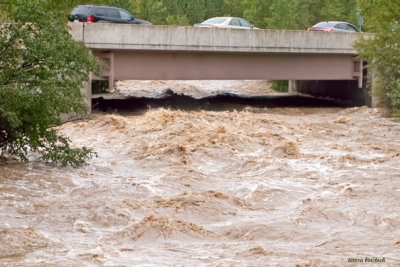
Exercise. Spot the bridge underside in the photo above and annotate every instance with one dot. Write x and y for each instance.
(174, 65)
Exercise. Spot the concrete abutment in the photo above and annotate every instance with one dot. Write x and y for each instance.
(345, 90)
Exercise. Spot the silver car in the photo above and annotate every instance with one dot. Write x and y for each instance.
(226, 22)
(334, 26)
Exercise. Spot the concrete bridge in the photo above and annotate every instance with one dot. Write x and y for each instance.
(133, 52)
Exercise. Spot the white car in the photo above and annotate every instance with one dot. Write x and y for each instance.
(226, 22)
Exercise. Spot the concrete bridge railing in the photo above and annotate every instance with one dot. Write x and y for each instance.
(136, 37)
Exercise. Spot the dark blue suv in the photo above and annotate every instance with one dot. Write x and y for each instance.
(104, 14)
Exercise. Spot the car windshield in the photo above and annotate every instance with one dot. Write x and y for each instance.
(125, 15)
(215, 21)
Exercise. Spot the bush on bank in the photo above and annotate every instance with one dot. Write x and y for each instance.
(383, 55)
(383, 51)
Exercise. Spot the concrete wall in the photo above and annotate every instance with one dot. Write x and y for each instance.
(173, 38)
(345, 90)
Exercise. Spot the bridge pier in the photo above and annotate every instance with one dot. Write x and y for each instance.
(107, 72)
(87, 94)
(293, 87)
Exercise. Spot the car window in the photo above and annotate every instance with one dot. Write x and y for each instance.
(101, 12)
(215, 21)
(350, 27)
(245, 23)
(341, 26)
(113, 13)
(125, 15)
(235, 22)
(80, 10)
(324, 24)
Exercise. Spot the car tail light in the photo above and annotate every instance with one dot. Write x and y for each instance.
(327, 30)
(90, 19)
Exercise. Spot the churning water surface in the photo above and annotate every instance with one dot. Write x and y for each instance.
(231, 186)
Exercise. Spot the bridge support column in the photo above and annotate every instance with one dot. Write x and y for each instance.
(293, 87)
(87, 94)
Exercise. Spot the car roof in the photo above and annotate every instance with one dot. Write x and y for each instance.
(332, 22)
(97, 6)
(224, 18)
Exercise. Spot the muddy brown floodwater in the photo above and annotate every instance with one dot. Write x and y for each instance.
(249, 187)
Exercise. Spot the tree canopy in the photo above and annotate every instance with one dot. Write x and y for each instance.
(41, 74)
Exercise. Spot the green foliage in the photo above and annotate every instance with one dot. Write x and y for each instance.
(3, 16)
(293, 14)
(150, 10)
(257, 12)
(41, 74)
(383, 51)
(233, 8)
(185, 12)
(280, 85)
(342, 10)
(379, 14)
(181, 20)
